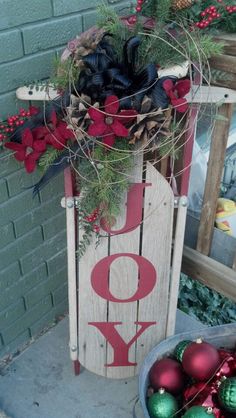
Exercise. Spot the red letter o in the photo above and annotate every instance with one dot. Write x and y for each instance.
(100, 278)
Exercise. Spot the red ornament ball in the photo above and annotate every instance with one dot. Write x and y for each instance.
(228, 367)
(201, 394)
(201, 360)
(168, 374)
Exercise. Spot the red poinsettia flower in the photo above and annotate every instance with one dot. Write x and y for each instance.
(55, 133)
(110, 124)
(28, 151)
(176, 93)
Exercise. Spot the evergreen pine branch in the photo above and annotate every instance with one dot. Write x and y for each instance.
(103, 192)
(205, 46)
(159, 10)
(48, 157)
(169, 148)
(109, 20)
(63, 71)
(220, 75)
(162, 49)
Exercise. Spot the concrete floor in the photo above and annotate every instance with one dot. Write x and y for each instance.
(40, 382)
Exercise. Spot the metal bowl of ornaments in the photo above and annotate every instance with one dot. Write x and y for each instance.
(191, 375)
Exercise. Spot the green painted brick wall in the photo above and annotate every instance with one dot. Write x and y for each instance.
(33, 266)
(31, 33)
(32, 255)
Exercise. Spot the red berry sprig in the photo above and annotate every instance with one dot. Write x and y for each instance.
(133, 19)
(212, 13)
(92, 217)
(96, 228)
(13, 122)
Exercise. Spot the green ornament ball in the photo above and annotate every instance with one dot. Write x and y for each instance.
(162, 405)
(227, 394)
(199, 412)
(179, 349)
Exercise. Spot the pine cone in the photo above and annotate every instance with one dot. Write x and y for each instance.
(181, 4)
(151, 126)
(86, 44)
(77, 115)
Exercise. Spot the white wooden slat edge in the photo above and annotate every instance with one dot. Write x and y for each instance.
(176, 264)
(72, 286)
(36, 94)
(91, 308)
(156, 247)
(211, 94)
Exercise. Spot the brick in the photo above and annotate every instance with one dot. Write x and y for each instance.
(119, 5)
(3, 190)
(6, 234)
(62, 308)
(20, 180)
(37, 216)
(9, 105)
(9, 277)
(14, 347)
(54, 225)
(51, 33)
(20, 247)
(89, 19)
(11, 47)
(46, 321)
(57, 262)
(43, 252)
(45, 288)
(63, 7)
(27, 320)
(60, 294)
(8, 163)
(17, 205)
(34, 67)
(20, 287)
(12, 313)
(54, 187)
(50, 318)
(18, 12)
(121, 8)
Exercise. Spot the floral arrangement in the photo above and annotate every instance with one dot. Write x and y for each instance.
(115, 99)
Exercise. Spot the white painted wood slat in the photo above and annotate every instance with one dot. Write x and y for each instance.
(156, 247)
(91, 308)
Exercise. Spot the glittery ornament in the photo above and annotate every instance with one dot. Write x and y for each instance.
(162, 405)
(168, 374)
(201, 360)
(199, 412)
(180, 348)
(204, 395)
(228, 368)
(227, 394)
